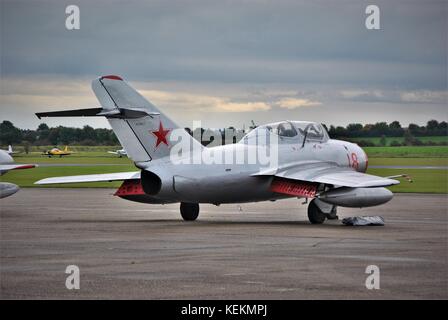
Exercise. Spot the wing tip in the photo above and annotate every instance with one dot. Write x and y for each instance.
(41, 181)
(27, 166)
(378, 184)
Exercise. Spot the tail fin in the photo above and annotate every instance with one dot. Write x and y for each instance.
(142, 129)
(10, 149)
(66, 149)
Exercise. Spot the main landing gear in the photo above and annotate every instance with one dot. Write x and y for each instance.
(189, 211)
(318, 211)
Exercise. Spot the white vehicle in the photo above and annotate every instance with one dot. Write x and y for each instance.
(7, 163)
(310, 165)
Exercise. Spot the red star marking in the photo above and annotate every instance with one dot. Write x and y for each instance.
(161, 135)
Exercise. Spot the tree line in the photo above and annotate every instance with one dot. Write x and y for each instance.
(44, 135)
(393, 129)
(88, 136)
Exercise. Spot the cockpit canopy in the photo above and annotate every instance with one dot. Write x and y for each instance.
(289, 131)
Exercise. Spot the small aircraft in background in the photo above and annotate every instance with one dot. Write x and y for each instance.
(10, 151)
(120, 152)
(6, 164)
(57, 152)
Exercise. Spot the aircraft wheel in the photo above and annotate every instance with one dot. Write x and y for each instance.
(189, 211)
(315, 215)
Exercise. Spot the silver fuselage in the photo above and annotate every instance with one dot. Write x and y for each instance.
(233, 183)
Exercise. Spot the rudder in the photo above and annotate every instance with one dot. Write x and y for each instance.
(142, 129)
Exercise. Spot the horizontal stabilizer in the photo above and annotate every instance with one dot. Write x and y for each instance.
(119, 176)
(92, 112)
(122, 113)
(142, 129)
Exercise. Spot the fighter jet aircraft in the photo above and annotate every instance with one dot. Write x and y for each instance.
(306, 162)
(6, 164)
(10, 151)
(57, 152)
(121, 152)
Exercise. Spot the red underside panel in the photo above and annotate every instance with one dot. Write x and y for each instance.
(294, 188)
(290, 187)
(130, 187)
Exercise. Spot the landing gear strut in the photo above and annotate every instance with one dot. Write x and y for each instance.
(189, 211)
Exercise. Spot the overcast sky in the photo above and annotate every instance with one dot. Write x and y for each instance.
(228, 62)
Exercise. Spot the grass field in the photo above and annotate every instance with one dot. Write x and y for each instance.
(26, 178)
(39, 149)
(376, 140)
(407, 152)
(426, 181)
(408, 161)
(99, 156)
(83, 157)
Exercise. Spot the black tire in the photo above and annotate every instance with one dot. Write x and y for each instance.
(315, 215)
(189, 211)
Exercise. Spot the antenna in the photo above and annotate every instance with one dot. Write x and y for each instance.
(306, 134)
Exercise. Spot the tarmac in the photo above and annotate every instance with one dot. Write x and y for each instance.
(264, 250)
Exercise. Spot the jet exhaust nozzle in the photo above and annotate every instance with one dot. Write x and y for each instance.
(357, 197)
(151, 183)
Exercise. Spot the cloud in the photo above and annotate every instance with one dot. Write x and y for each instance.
(266, 42)
(211, 60)
(293, 103)
(241, 106)
(207, 103)
(424, 96)
(362, 93)
(396, 96)
(44, 94)
(365, 95)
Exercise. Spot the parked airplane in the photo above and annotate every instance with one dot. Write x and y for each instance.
(6, 164)
(309, 164)
(120, 152)
(10, 151)
(57, 152)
